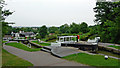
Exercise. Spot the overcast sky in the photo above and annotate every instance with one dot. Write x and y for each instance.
(50, 12)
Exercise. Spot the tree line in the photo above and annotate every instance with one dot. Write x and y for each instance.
(44, 30)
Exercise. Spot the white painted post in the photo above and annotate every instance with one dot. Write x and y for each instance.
(30, 46)
(74, 38)
(69, 38)
(65, 38)
(59, 39)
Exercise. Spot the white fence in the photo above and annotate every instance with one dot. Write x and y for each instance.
(55, 45)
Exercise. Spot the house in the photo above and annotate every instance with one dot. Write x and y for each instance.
(7, 37)
(23, 34)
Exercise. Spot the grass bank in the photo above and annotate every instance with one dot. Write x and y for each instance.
(9, 59)
(4, 41)
(117, 47)
(108, 53)
(92, 60)
(22, 46)
(42, 44)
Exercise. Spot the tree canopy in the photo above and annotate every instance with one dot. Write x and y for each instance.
(108, 17)
(64, 28)
(3, 15)
(43, 31)
(84, 27)
(53, 29)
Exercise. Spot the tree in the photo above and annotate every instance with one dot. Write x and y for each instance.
(74, 28)
(53, 29)
(84, 27)
(108, 17)
(93, 29)
(103, 12)
(64, 28)
(43, 31)
(3, 15)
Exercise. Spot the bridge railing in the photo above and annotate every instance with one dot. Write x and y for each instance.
(54, 45)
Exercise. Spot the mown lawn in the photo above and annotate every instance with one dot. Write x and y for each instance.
(4, 41)
(108, 53)
(22, 46)
(92, 60)
(9, 59)
(43, 39)
(42, 44)
(117, 47)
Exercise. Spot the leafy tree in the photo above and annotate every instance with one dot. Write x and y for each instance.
(84, 27)
(9, 29)
(103, 10)
(108, 17)
(3, 15)
(15, 30)
(93, 29)
(53, 29)
(74, 28)
(43, 31)
(64, 28)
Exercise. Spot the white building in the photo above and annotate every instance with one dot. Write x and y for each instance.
(23, 34)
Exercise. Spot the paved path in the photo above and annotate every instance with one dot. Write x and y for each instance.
(40, 58)
(107, 44)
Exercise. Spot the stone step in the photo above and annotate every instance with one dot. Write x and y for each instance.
(63, 51)
(46, 50)
(47, 47)
(60, 51)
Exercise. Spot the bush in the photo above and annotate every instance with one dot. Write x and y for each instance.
(93, 36)
(50, 37)
(38, 37)
(85, 36)
(80, 33)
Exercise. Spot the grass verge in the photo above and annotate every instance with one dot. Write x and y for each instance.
(108, 53)
(9, 59)
(42, 44)
(22, 46)
(92, 60)
(117, 47)
(4, 41)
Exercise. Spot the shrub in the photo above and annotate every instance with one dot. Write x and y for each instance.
(50, 37)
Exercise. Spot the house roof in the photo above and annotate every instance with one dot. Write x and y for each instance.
(6, 36)
(26, 33)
